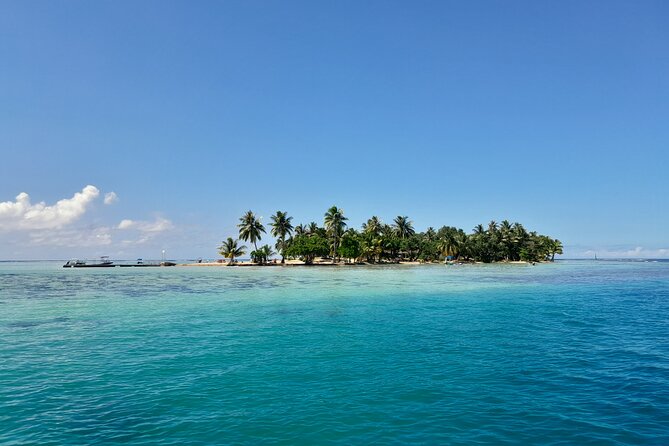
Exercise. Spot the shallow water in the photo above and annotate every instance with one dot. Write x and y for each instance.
(574, 352)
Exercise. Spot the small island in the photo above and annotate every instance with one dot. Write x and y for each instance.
(376, 242)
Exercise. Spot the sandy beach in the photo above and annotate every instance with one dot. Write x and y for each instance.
(326, 262)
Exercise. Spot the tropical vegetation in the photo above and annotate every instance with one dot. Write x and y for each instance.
(231, 249)
(281, 229)
(262, 254)
(250, 229)
(378, 242)
(334, 222)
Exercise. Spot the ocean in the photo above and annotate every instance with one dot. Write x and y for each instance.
(574, 352)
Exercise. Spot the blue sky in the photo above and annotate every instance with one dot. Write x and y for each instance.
(553, 114)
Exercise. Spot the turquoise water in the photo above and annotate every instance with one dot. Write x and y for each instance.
(574, 352)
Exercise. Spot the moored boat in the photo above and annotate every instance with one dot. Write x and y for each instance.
(103, 263)
(106, 263)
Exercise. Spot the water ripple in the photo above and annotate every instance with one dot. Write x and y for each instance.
(571, 353)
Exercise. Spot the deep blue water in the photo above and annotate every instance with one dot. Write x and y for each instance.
(575, 352)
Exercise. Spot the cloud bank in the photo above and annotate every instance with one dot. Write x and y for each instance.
(69, 227)
(23, 215)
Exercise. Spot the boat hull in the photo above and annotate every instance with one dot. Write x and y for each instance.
(94, 265)
(112, 265)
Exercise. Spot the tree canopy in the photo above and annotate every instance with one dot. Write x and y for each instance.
(250, 228)
(378, 242)
(231, 249)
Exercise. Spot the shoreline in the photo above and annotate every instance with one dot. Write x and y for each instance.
(294, 263)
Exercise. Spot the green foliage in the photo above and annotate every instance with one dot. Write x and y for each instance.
(250, 228)
(429, 250)
(335, 223)
(391, 246)
(313, 228)
(554, 247)
(371, 248)
(378, 242)
(307, 247)
(281, 228)
(262, 254)
(350, 246)
(230, 249)
(403, 227)
(411, 246)
(372, 227)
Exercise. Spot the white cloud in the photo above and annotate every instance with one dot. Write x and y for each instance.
(69, 227)
(110, 198)
(23, 215)
(126, 224)
(137, 233)
(158, 225)
(73, 238)
(144, 231)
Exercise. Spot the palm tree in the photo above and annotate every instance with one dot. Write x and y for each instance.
(448, 246)
(281, 227)
(373, 226)
(372, 249)
(250, 229)
(461, 243)
(555, 248)
(312, 228)
(444, 246)
(262, 254)
(507, 238)
(478, 229)
(300, 230)
(430, 234)
(335, 222)
(230, 249)
(519, 230)
(267, 252)
(520, 237)
(505, 226)
(494, 247)
(403, 227)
